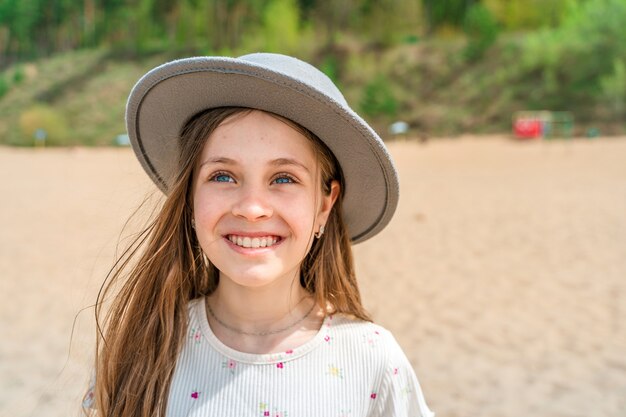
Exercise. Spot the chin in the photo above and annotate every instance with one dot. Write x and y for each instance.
(254, 279)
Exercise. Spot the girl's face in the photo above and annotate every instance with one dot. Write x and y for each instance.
(257, 199)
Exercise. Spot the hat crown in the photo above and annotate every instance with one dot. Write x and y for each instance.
(298, 70)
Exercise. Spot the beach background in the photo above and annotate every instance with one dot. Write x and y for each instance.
(502, 274)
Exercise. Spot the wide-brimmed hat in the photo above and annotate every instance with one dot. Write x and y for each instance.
(164, 100)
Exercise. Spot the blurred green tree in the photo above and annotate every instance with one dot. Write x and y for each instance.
(575, 57)
(378, 98)
(281, 26)
(481, 29)
(529, 14)
(445, 12)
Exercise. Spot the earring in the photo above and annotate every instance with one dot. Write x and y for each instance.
(320, 233)
(193, 224)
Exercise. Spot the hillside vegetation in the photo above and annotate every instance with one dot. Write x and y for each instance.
(452, 81)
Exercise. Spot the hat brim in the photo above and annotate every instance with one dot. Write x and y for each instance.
(168, 96)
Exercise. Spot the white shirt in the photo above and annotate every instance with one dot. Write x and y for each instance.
(351, 368)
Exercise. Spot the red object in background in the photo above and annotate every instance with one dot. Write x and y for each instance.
(528, 128)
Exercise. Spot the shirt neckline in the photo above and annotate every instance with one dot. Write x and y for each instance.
(257, 358)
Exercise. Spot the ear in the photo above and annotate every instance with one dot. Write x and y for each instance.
(328, 201)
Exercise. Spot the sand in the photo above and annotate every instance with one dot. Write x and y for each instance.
(502, 275)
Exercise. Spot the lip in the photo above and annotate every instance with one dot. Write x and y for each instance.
(251, 234)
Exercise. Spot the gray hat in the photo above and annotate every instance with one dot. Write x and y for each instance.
(165, 98)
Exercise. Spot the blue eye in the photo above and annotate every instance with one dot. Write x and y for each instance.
(222, 178)
(284, 179)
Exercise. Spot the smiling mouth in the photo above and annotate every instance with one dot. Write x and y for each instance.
(254, 242)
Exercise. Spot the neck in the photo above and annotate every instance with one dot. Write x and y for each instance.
(268, 319)
(259, 310)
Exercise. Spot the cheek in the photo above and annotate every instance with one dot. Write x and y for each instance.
(205, 209)
(301, 213)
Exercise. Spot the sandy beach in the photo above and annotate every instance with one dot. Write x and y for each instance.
(502, 274)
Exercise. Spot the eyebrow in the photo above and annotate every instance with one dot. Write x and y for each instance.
(273, 162)
(289, 161)
(219, 160)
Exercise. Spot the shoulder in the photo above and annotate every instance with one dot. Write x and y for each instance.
(370, 340)
(195, 309)
(397, 391)
(370, 334)
(194, 304)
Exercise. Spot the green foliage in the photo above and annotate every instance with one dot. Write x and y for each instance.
(378, 98)
(529, 14)
(18, 75)
(330, 67)
(574, 60)
(614, 88)
(446, 13)
(47, 119)
(32, 28)
(281, 26)
(24, 21)
(385, 22)
(481, 29)
(4, 85)
(411, 39)
(576, 56)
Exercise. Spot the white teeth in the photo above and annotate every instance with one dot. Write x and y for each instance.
(255, 242)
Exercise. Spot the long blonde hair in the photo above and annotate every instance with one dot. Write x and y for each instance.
(141, 334)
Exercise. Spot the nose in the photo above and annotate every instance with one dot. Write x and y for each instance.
(252, 204)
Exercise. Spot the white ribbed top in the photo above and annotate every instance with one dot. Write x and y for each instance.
(351, 368)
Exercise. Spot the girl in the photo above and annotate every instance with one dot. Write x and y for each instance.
(243, 299)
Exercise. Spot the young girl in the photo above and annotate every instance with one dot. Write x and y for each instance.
(240, 298)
